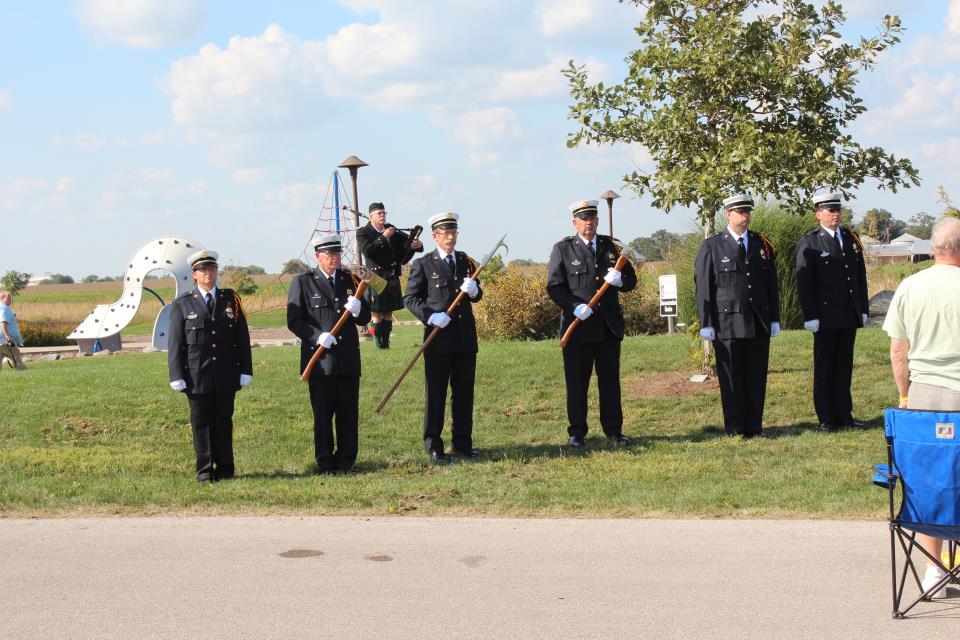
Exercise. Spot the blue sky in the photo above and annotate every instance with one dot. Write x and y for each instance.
(220, 121)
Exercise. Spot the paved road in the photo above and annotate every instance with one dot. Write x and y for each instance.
(406, 577)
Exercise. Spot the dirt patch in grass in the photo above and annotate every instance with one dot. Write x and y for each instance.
(670, 384)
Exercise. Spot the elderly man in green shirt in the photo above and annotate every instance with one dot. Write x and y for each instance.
(924, 328)
(10, 339)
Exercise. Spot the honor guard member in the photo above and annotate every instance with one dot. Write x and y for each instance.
(208, 353)
(579, 265)
(451, 358)
(385, 250)
(315, 302)
(738, 304)
(832, 286)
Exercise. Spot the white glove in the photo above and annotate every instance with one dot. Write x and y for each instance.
(812, 325)
(179, 385)
(582, 311)
(352, 305)
(614, 277)
(774, 329)
(863, 317)
(439, 319)
(245, 379)
(708, 333)
(470, 287)
(326, 340)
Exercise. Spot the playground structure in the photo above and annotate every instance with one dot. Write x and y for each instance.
(101, 329)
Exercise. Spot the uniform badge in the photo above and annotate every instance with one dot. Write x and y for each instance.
(192, 316)
(229, 312)
(575, 263)
(611, 257)
(349, 292)
(824, 254)
(725, 259)
(315, 296)
(763, 254)
(434, 275)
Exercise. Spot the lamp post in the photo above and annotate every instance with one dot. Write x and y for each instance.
(353, 163)
(609, 197)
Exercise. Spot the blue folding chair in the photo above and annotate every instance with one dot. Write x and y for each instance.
(923, 456)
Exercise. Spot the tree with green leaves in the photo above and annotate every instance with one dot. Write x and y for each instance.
(951, 210)
(57, 278)
(881, 225)
(295, 267)
(740, 95)
(14, 281)
(921, 225)
(240, 281)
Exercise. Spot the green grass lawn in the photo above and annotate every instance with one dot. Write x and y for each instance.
(106, 435)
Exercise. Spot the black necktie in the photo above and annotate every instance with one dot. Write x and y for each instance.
(209, 303)
(453, 267)
(593, 251)
(330, 280)
(836, 238)
(741, 250)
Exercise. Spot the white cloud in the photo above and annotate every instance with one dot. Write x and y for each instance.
(142, 23)
(545, 81)
(930, 100)
(400, 95)
(6, 101)
(65, 184)
(610, 21)
(953, 17)
(372, 50)
(300, 195)
(872, 9)
(258, 83)
(484, 158)
(484, 127)
(153, 138)
(90, 141)
(157, 175)
(248, 175)
(27, 186)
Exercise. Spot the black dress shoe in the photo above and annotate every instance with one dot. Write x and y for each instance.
(577, 442)
(852, 424)
(437, 456)
(467, 453)
(827, 426)
(619, 439)
(750, 436)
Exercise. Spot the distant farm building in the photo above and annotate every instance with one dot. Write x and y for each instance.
(905, 248)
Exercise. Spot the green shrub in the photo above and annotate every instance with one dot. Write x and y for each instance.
(240, 281)
(516, 306)
(46, 333)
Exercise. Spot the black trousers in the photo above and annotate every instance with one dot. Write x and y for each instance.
(742, 373)
(335, 396)
(458, 371)
(579, 361)
(832, 373)
(211, 420)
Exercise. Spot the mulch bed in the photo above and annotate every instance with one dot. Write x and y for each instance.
(673, 384)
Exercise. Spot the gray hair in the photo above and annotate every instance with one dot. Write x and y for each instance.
(946, 236)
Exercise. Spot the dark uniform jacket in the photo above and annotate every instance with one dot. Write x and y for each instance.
(312, 308)
(208, 352)
(431, 288)
(832, 285)
(738, 298)
(384, 255)
(574, 276)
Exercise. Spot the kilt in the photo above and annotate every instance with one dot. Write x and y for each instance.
(390, 300)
